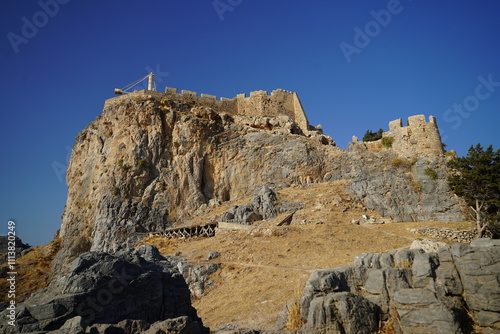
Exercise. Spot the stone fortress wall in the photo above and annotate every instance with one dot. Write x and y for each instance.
(418, 138)
(259, 103)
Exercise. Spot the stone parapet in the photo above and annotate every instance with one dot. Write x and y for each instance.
(418, 138)
(259, 103)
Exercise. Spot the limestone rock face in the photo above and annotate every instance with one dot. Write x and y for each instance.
(148, 162)
(145, 164)
(400, 188)
(130, 289)
(446, 292)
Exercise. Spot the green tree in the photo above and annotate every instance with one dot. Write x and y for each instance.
(476, 178)
(372, 136)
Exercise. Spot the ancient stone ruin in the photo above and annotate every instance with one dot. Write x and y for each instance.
(418, 138)
(259, 103)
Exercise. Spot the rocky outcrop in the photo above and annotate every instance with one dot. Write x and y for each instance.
(138, 290)
(197, 277)
(6, 248)
(451, 291)
(148, 162)
(413, 189)
(264, 205)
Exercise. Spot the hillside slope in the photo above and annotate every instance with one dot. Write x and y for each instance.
(264, 268)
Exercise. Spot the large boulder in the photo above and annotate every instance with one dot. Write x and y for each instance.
(478, 267)
(100, 289)
(264, 205)
(451, 291)
(342, 312)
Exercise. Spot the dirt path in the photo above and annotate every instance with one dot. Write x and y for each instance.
(255, 265)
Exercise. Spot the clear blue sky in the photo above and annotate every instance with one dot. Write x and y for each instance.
(58, 65)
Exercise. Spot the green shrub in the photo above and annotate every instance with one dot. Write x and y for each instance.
(122, 165)
(387, 141)
(450, 154)
(431, 173)
(372, 136)
(142, 164)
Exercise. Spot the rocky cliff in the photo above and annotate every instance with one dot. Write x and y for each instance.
(148, 162)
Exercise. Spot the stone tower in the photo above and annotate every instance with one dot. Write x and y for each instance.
(418, 138)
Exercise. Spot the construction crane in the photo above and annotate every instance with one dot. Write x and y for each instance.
(151, 85)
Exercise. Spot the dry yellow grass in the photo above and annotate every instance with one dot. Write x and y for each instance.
(33, 270)
(294, 321)
(387, 327)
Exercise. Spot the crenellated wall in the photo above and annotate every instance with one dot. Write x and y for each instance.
(220, 105)
(259, 103)
(418, 138)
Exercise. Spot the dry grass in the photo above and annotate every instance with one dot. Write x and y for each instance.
(387, 327)
(294, 321)
(473, 323)
(403, 264)
(33, 270)
(398, 162)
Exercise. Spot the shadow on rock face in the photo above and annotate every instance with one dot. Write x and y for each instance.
(137, 286)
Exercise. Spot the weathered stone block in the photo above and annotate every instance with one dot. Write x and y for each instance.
(342, 313)
(416, 297)
(447, 280)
